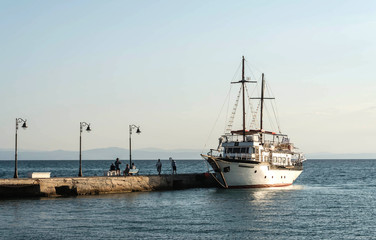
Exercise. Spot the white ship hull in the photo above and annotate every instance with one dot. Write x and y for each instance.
(254, 157)
(253, 175)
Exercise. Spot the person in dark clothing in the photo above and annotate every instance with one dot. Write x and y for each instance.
(126, 171)
(159, 166)
(117, 165)
(112, 168)
(173, 164)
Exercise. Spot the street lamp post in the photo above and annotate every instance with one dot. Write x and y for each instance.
(82, 124)
(24, 126)
(132, 126)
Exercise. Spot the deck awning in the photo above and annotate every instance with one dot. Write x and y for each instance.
(254, 131)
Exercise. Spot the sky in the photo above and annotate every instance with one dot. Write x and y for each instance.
(167, 66)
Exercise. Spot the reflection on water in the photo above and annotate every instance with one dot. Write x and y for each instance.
(265, 194)
(330, 200)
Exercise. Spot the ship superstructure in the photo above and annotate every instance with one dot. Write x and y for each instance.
(254, 157)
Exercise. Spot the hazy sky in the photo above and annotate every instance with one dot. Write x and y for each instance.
(167, 66)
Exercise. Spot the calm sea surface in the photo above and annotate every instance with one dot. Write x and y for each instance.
(332, 199)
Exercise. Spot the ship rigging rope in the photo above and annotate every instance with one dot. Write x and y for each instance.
(254, 116)
(232, 117)
(227, 109)
(211, 132)
(227, 99)
(237, 72)
(269, 118)
(250, 106)
(250, 69)
(252, 112)
(274, 108)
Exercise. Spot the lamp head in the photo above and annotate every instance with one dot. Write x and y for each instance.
(24, 126)
(88, 129)
(138, 131)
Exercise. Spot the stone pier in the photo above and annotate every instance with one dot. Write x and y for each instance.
(73, 186)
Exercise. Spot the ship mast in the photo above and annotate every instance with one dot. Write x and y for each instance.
(262, 101)
(243, 81)
(262, 106)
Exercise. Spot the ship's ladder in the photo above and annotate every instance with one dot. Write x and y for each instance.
(232, 117)
(253, 122)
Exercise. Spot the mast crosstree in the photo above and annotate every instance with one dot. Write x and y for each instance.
(243, 81)
(275, 160)
(262, 103)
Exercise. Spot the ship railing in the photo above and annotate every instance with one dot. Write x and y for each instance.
(215, 153)
(244, 156)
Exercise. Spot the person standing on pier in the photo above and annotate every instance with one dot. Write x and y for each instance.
(173, 165)
(159, 166)
(117, 165)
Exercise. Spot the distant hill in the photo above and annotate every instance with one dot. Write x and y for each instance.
(145, 154)
(341, 155)
(102, 154)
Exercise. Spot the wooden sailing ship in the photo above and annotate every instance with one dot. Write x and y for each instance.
(254, 157)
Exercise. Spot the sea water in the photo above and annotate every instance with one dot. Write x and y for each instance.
(332, 199)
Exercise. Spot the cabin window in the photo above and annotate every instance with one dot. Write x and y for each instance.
(236, 150)
(274, 159)
(244, 150)
(284, 160)
(279, 159)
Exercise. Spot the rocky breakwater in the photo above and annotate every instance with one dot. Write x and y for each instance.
(73, 186)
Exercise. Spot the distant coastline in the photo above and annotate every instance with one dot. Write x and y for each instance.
(145, 154)
(102, 154)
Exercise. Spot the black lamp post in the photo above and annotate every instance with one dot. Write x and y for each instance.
(132, 126)
(88, 129)
(24, 126)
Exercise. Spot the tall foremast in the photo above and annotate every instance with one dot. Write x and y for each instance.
(243, 81)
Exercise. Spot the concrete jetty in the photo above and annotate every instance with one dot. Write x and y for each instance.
(74, 186)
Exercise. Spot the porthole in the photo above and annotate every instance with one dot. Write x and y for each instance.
(285, 176)
(255, 171)
(272, 176)
(265, 177)
(281, 177)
